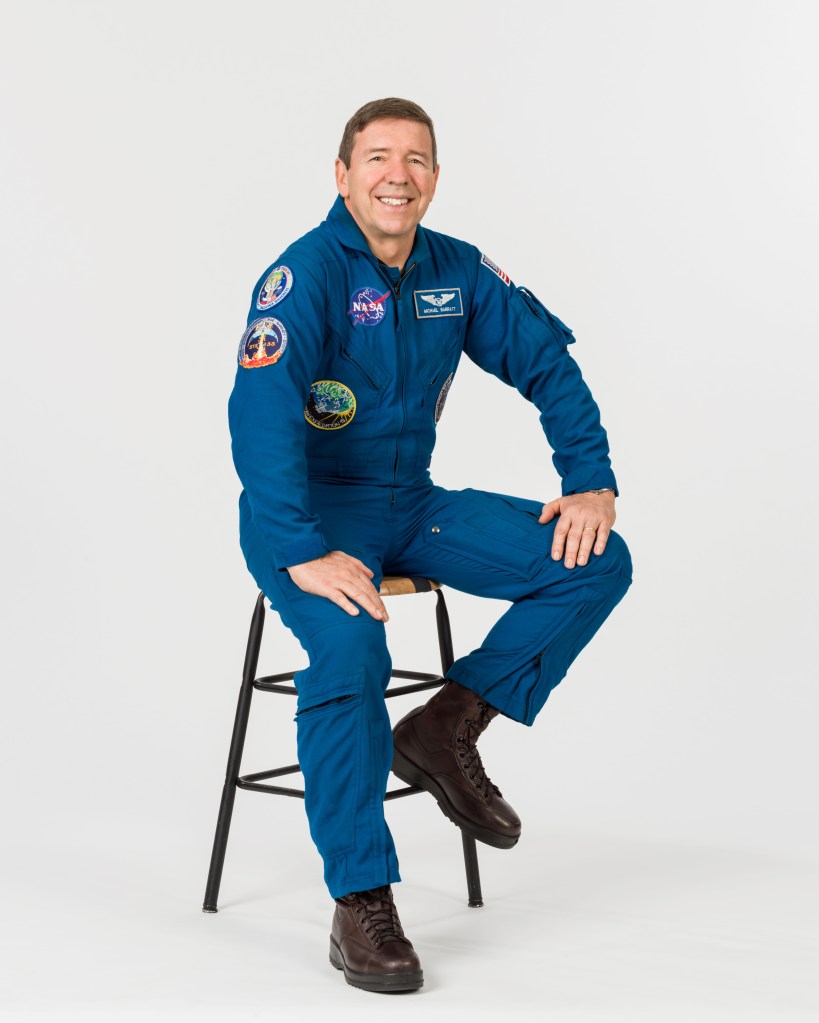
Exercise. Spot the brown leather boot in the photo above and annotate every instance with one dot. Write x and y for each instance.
(368, 943)
(435, 748)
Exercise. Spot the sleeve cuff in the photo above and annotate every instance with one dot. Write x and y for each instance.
(298, 551)
(590, 478)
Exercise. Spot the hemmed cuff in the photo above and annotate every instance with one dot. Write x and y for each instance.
(363, 883)
(481, 687)
(298, 551)
(589, 478)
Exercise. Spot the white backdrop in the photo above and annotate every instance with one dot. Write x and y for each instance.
(649, 170)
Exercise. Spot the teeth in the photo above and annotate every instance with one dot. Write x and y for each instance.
(393, 202)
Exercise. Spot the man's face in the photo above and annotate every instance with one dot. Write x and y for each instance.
(390, 181)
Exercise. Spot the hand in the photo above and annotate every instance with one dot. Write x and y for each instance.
(585, 519)
(338, 576)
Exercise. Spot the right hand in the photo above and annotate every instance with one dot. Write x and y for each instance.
(342, 579)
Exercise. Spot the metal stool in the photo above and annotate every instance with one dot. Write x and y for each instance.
(390, 586)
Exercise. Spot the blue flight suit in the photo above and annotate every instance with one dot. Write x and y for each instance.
(343, 374)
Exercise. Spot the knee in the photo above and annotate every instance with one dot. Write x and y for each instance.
(345, 661)
(616, 558)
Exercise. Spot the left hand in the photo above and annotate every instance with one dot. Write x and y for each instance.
(585, 520)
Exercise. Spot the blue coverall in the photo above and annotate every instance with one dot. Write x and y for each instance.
(343, 373)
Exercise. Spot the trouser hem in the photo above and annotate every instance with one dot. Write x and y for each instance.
(509, 708)
(363, 883)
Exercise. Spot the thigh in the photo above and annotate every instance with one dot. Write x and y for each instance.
(307, 614)
(481, 542)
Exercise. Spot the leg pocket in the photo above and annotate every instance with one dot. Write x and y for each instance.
(497, 531)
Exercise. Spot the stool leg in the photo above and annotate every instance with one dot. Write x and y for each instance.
(473, 875)
(217, 859)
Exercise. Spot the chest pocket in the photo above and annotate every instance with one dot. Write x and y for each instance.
(358, 352)
(441, 359)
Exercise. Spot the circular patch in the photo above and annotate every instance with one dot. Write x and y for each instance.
(331, 405)
(263, 343)
(275, 288)
(439, 404)
(367, 307)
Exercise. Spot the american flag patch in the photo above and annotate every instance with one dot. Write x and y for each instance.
(486, 261)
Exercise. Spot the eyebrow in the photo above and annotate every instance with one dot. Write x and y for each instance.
(410, 152)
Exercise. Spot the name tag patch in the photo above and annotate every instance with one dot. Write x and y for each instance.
(434, 302)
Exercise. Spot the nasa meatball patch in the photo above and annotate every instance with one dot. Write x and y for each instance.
(367, 307)
(275, 288)
(434, 302)
(263, 343)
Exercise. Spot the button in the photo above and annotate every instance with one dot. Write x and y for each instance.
(436, 529)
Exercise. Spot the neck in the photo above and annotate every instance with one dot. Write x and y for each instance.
(391, 252)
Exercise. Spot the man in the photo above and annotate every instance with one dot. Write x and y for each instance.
(353, 339)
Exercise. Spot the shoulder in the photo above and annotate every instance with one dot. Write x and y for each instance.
(300, 267)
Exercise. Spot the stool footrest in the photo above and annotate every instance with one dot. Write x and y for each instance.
(273, 790)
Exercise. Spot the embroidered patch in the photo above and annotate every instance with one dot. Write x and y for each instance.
(438, 302)
(439, 404)
(263, 343)
(275, 288)
(367, 306)
(331, 405)
(486, 261)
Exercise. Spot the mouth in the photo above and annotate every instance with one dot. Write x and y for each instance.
(393, 200)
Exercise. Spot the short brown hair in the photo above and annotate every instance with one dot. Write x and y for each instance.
(390, 109)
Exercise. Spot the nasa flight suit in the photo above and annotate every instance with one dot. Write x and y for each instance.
(343, 373)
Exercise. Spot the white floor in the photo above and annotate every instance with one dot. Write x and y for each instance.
(575, 927)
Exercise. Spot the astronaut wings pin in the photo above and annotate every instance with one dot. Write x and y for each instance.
(438, 300)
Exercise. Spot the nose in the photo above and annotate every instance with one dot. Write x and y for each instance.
(396, 173)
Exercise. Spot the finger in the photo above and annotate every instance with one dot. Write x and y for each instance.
(365, 594)
(602, 539)
(549, 511)
(346, 605)
(559, 539)
(572, 545)
(586, 541)
(362, 566)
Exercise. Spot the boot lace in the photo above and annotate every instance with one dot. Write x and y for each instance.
(469, 756)
(377, 915)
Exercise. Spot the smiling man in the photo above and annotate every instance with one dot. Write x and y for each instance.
(353, 340)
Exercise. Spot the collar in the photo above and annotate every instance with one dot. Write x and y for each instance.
(350, 234)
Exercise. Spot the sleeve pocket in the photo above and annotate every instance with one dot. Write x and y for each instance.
(532, 311)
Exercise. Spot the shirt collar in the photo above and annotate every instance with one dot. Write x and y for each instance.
(349, 233)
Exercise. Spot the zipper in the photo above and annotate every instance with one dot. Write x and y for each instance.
(405, 274)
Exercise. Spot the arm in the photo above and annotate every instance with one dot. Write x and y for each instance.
(513, 336)
(279, 358)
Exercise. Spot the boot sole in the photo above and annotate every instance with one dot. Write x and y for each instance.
(384, 982)
(412, 774)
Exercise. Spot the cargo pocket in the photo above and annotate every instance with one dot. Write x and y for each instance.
(497, 533)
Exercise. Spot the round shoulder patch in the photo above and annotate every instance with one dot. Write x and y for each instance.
(263, 343)
(331, 405)
(441, 401)
(275, 288)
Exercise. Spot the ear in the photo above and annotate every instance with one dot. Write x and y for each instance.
(435, 180)
(341, 178)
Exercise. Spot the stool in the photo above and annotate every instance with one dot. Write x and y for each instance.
(390, 586)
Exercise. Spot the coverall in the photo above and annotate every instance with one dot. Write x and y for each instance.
(343, 374)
